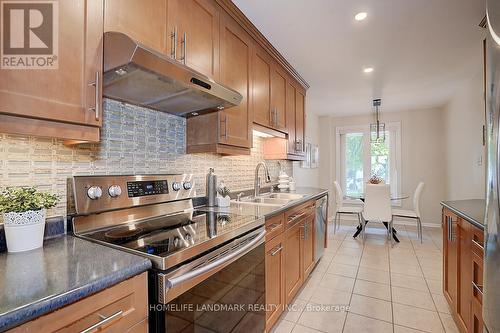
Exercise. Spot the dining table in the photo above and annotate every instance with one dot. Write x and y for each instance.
(394, 232)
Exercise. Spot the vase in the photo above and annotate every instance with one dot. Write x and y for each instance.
(24, 231)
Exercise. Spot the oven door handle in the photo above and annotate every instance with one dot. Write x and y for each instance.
(172, 282)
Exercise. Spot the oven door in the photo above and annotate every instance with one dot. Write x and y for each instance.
(223, 291)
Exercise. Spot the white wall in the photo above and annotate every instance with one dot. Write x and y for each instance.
(422, 150)
(465, 153)
(309, 177)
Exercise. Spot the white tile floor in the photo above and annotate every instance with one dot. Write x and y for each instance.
(374, 287)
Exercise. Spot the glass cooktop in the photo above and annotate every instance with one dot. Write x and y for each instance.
(166, 235)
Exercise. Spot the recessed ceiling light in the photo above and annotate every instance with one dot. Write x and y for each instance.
(360, 16)
(368, 69)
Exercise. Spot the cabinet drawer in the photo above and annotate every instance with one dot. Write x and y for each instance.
(274, 226)
(298, 213)
(477, 236)
(477, 278)
(116, 309)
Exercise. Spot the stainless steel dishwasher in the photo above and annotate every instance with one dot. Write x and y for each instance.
(320, 225)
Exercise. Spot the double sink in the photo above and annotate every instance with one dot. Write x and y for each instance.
(271, 199)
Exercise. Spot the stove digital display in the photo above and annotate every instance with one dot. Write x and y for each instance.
(142, 188)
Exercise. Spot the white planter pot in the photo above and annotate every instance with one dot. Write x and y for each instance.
(224, 201)
(24, 231)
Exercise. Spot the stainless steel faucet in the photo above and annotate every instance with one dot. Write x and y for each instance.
(257, 178)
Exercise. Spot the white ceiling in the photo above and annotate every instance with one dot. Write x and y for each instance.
(420, 49)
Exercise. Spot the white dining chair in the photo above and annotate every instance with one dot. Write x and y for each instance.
(341, 208)
(415, 212)
(377, 207)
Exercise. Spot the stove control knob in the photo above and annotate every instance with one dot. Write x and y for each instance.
(94, 192)
(176, 241)
(187, 185)
(187, 237)
(114, 191)
(176, 186)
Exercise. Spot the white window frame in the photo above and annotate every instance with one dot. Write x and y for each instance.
(395, 139)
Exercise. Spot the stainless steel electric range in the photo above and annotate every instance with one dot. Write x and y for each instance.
(208, 268)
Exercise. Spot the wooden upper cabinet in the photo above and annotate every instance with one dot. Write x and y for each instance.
(262, 68)
(290, 117)
(269, 91)
(300, 121)
(278, 98)
(235, 71)
(66, 94)
(197, 25)
(144, 21)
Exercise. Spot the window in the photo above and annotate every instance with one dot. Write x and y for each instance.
(358, 159)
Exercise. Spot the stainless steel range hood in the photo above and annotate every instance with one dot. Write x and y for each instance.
(138, 75)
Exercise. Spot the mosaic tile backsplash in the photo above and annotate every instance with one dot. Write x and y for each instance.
(134, 140)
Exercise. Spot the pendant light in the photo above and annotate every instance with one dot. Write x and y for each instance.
(377, 129)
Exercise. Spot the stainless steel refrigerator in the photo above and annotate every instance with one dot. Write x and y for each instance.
(491, 287)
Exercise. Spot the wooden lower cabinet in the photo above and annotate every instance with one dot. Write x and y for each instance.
(293, 254)
(308, 246)
(126, 302)
(463, 271)
(289, 257)
(275, 291)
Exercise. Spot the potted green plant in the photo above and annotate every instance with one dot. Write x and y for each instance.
(24, 210)
(223, 200)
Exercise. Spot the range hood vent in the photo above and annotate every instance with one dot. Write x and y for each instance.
(138, 75)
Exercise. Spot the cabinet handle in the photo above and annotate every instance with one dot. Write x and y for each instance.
(477, 287)
(273, 226)
(481, 246)
(276, 250)
(225, 127)
(295, 217)
(448, 228)
(103, 321)
(184, 48)
(173, 38)
(97, 95)
(298, 145)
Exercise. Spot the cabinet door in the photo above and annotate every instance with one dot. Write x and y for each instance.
(275, 291)
(450, 258)
(197, 23)
(261, 91)
(308, 246)
(293, 254)
(290, 117)
(144, 21)
(464, 274)
(67, 93)
(476, 298)
(300, 121)
(235, 71)
(278, 99)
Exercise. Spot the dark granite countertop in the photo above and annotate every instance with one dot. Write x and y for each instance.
(471, 210)
(266, 210)
(65, 270)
